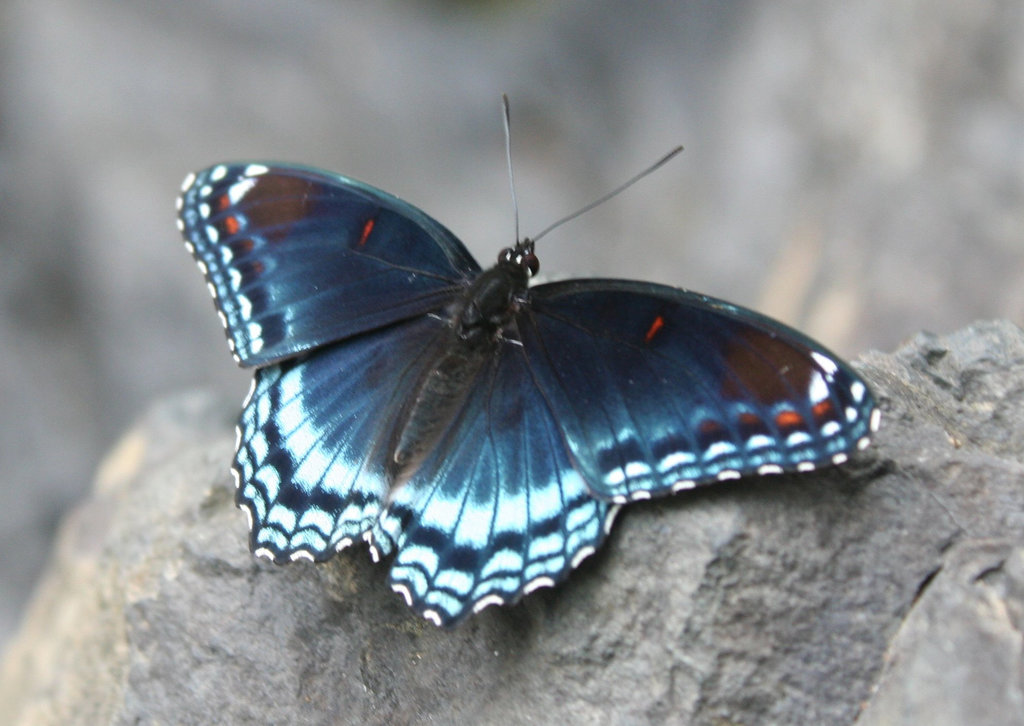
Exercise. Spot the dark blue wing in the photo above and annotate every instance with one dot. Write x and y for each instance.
(296, 258)
(657, 389)
(313, 435)
(497, 510)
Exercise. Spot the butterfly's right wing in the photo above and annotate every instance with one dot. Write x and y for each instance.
(657, 389)
(296, 258)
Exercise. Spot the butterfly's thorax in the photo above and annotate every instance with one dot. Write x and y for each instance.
(476, 322)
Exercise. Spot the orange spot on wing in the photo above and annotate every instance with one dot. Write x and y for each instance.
(231, 225)
(367, 228)
(658, 324)
(223, 202)
(749, 419)
(789, 420)
(824, 410)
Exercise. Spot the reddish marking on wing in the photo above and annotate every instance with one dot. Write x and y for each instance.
(231, 225)
(823, 410)
(223, 202)
(789, 420)
(367, 228)
(658, 324)
(242, 246)
(751, 424)
(750, 420)
(711, 429)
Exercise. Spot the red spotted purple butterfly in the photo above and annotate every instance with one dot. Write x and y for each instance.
(482, 431)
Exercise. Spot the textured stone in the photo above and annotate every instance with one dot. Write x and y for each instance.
(853, 169)
(959, 657)
(762, 601)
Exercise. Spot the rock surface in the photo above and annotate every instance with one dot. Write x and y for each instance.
(853, 169)
(889, 591)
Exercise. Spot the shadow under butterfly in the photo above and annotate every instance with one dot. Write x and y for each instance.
(481, 431)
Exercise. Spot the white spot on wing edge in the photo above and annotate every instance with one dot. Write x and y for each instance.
(188, 182)
(256, 169)
(857, 390)
(248, 514)
(402, 590)
(487, 601)
(806, 466)
(537, 583)
(609, 519)
(766, 469)
(876, 419)
(725, 474)
(683, 484)
(239, 189)
(246, 402)
(825, 363)
(374, 552)
(264, 552)
(582, 555)
(301, 555)
(818, 389)
(218, 172)
(839, 458)
(433, 616)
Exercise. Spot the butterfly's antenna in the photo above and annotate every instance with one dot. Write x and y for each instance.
(508, 156)
(621, 188)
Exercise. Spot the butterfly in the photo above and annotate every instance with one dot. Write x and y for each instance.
(480, 431)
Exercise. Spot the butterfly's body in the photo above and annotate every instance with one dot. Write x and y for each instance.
(482, 431)
(476, 323)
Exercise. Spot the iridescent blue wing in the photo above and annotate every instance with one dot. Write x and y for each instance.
(657, 389)
(295, 258)
(497, 510)
(313, 438)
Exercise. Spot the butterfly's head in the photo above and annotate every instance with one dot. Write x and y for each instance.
(521, 257)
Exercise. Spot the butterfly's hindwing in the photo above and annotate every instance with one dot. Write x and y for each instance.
(497, 509)
(657, 389)
(313, 440)
(296, 258)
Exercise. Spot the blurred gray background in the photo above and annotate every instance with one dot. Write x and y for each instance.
(855, 169)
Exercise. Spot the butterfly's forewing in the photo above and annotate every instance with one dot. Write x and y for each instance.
(497, 510)
(657, 389)
(296, 258)
(313, 439)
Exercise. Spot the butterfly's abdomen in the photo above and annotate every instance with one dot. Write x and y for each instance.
(439, 396)
(477, 322)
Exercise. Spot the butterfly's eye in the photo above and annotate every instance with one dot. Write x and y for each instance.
(531, 262)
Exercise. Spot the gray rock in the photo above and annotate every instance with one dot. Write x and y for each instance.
(853, 169)
(959, 657)
(767, 601)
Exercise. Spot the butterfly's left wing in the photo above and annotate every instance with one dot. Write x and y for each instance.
(313, 436)
(657, 389)
(296, 258)
(497, 510)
